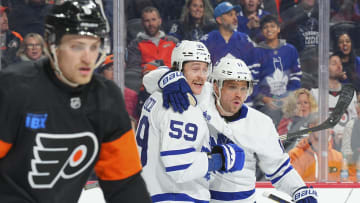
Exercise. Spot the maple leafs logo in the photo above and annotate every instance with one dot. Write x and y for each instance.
(277, 82)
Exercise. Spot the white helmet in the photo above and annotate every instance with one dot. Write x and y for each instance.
(231, 69)
(189, 51)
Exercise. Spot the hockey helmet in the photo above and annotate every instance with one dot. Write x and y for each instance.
(232, 69)
(79, 17)
(189, 51)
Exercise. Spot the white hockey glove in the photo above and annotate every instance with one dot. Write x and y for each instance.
(233, 157)
(305, 195)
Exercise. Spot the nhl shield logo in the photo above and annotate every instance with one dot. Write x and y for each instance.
(75, 102)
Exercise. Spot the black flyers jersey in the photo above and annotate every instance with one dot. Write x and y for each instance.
(52, 135)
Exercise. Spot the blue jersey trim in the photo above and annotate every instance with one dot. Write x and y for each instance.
(243, 112)
(176, 197)
(282, 166)
(275, 180)
(230, 196)
(178, 167)
(177, 152)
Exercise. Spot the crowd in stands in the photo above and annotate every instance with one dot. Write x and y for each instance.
(278, 40)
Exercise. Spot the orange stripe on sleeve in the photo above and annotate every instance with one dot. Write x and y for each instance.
(17, 35)
(4, 148)
(118, 159)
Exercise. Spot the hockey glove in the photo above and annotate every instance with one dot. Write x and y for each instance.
(176, 91)
(233, 157)
(305, 195)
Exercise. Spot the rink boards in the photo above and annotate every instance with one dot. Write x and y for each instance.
(328, 193)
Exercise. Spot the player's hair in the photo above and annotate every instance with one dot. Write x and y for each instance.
(150, 9)
(268, 19)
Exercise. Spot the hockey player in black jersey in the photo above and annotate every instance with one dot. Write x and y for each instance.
(58, 120)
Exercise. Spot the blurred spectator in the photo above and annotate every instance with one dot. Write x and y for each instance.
(349, 60)
(345, 10)
(226, 41)
(215, 3)
(335, 75)
(9, 40)
(143, 94)
(10, 3)
(309, 61)
(134, 8)
(305, 156)
(350, 147)
(279, 72)
(130, 97)
(271, 6)
(196, 20)
(29, 17)
(107, 68)
(32, 48)
(153, 45)
(249, 19)
(356, 12)
(296, 109)
(300, 23)
(169, 10)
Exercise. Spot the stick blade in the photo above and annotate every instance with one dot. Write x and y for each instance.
(345, 98)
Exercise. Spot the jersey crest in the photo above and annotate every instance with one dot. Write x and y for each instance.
(61, 156)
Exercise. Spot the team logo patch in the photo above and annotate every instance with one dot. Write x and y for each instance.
(75, 102)
(13, 44)
(61, 156)
(35, 121)
(206, 116)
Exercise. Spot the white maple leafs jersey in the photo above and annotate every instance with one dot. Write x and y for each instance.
(171, 146)
(256, 134)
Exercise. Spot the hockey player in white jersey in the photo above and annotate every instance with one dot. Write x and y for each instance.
(174, 147)
(253, 131)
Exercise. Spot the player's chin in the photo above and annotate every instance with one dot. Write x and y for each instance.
(235, 107)
(83, 80)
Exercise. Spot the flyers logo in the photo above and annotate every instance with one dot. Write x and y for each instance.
(61, 156)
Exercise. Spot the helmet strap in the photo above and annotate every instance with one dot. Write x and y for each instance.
(56, 67)
(218, 103)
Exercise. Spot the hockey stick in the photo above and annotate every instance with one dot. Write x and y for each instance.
(345, 98)
(275, 197)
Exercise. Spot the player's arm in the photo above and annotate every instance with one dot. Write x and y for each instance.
(8, 117)
(173, 85)
(118, 165)
(118, 169)
(275, 162)
(150, 80)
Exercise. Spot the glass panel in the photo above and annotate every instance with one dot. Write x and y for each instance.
(292, 75)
